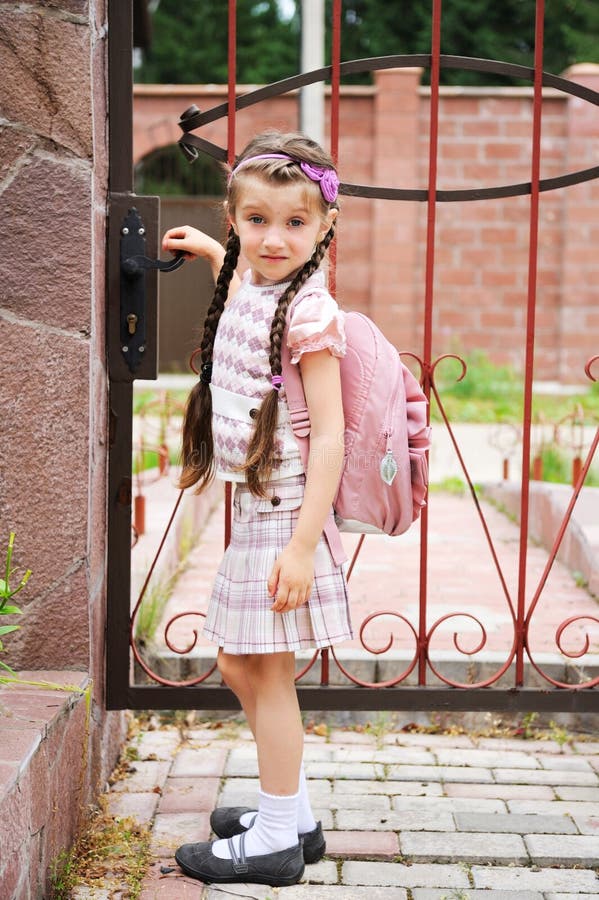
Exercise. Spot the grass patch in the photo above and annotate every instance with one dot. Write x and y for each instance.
(110, 853)
(152, 608)
(151, 400)
(490, 393)
(487, 393)
(150, 459)
(450, 485)
(161, 588)
(557, 467)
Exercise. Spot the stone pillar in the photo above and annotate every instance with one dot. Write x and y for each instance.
(394, 224)
(579, 313)
(53, 387)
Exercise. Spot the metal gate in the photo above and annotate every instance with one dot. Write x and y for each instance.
(136, 357)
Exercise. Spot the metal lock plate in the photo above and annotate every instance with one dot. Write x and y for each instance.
(133, 291)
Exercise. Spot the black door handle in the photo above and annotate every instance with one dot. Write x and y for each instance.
(134, 264)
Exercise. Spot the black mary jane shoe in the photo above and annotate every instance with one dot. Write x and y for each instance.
(225, 823)
(279, 869)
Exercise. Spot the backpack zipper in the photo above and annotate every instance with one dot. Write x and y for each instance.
(388, 466)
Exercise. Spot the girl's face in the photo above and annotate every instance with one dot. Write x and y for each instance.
(278, 227)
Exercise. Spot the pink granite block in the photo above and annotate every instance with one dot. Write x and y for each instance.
(35, 708)
(362, 844)
(53, 100)
(19, 743)
(64, 677)
(57, 366)
(55, 776)
(42, 847)
(13, 147)
(61, 195)
(8, 774)
(15, 823)
(12, 876)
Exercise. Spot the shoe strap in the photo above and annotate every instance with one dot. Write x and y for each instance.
(240, 864)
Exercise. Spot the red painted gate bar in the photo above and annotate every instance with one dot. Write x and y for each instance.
(365, 695)
(533, 247)
(428, 311)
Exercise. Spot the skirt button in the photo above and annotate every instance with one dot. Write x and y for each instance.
(275, 501)
(253, 413)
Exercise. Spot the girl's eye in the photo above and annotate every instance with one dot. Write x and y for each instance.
(295, 222)
(256, 220)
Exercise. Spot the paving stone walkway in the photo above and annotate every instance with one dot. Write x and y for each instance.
(407, 816)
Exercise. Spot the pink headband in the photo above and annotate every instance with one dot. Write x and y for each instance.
(327, 178)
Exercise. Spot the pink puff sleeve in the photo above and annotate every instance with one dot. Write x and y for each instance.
(316, 323)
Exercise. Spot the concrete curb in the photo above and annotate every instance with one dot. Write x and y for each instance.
(579, 550)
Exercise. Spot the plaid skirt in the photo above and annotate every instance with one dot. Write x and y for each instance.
(239, 618)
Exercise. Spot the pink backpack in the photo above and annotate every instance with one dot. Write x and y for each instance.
(385, 474)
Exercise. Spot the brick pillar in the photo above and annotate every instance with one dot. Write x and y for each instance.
(53, 385)
(45, 291)
(394, 224)
(579, 313)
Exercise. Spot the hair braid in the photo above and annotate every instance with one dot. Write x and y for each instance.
(260, 455)
(219, 298)
(197, 448)
(277, 328)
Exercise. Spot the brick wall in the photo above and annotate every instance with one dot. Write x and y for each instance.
(579, 310)
(481, 269)
(53, 396)
(481, 260)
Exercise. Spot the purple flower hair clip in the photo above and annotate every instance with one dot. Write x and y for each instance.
(326, 178)
(329, 182)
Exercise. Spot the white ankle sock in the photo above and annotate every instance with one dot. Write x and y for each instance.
(275, 827)
(305, 817)
(247, 819)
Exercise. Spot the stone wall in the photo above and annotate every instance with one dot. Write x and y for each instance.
(53, 387)
(481, 260)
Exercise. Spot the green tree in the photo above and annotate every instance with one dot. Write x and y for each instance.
(482, 29)
(189, 43)
(190, 39)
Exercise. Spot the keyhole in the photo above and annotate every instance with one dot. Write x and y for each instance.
(132, 322)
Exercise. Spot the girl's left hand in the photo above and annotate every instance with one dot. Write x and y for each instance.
(193, 243)
(290, 581)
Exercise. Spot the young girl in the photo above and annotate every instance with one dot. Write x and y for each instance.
(278, 588)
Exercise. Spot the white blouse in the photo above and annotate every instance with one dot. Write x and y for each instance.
(241, 371)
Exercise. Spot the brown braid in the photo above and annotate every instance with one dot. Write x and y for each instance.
(260, 455)
(197, 450)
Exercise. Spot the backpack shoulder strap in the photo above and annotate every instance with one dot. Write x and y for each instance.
(300, 423)
(296, 399)
(294, 389)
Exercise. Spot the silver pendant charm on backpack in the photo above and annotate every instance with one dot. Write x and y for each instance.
(388, 467)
